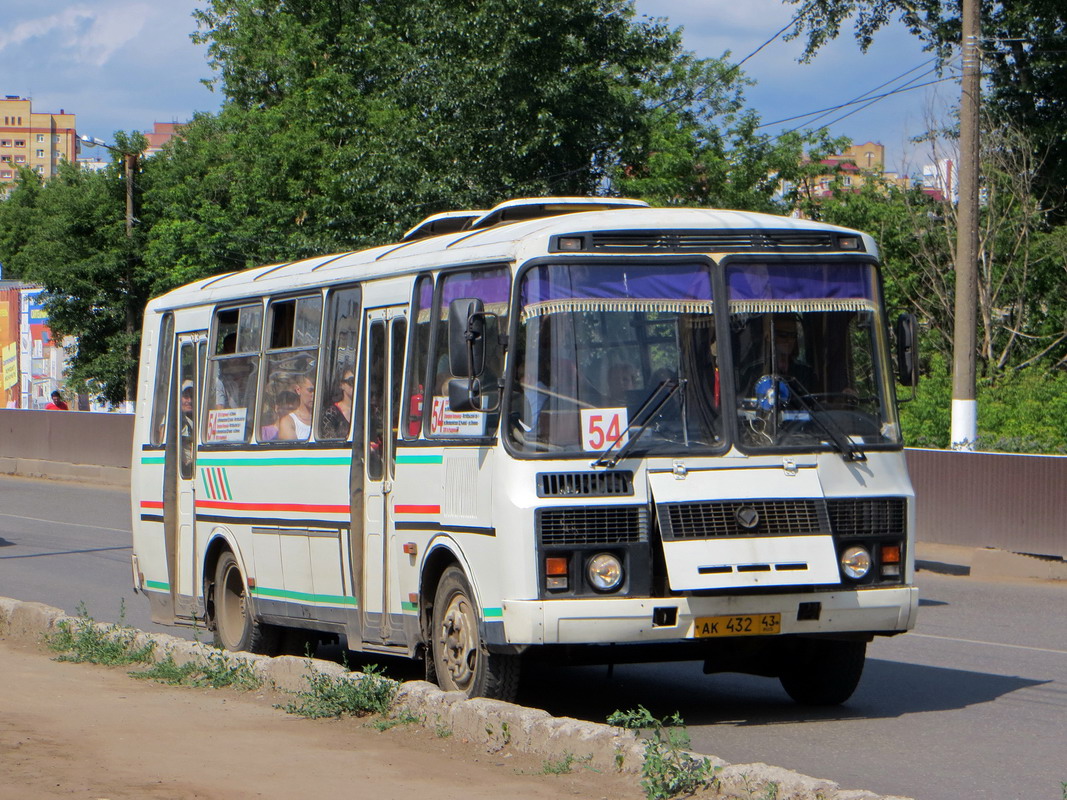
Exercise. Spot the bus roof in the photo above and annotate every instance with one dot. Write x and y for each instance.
(632, 228)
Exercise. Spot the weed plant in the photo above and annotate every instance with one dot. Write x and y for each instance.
(83, 641)
(216, 671)
(383, 724)
(561, 766)
(327, 696)
(668, 769)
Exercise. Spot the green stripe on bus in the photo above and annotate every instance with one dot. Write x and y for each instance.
(302, 461)
(284, 594)
(152, 459)
(492, 612)
(419, 459)
(226, 480)
(162, 586)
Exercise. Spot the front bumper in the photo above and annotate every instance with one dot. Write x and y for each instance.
(622, 620)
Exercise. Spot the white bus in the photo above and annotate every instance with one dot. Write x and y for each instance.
(578, 430)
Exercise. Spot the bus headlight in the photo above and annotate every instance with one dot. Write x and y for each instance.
(604, 572)
(856, 562)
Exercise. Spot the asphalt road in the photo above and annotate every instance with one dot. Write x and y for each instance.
(970, 705)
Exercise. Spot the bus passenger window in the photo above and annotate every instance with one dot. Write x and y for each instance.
(290, 366)
(233, 371)
(338, 376)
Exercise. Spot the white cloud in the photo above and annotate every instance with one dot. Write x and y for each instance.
(87, 36)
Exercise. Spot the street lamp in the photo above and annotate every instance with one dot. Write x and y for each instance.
(130, 161)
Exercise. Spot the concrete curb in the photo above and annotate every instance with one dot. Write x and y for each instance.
(490, 723)
(118, 477)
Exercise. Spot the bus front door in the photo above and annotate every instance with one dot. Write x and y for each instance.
(180, 516)
(386, 333)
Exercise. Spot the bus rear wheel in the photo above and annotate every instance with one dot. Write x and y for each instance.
(460, 660)
(236, 627)
(824, 672)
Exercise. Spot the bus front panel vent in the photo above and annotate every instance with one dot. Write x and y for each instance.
(730, 518)
(868, 516)
(618, 483)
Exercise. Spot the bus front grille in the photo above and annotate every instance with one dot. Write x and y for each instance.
(592, 525)
(725, 518)
(868, 516)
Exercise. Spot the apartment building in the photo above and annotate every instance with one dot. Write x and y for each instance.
(38, 140)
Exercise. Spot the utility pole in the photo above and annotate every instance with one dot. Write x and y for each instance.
(964, 404)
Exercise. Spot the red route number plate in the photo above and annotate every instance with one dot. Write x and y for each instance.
(738, 625)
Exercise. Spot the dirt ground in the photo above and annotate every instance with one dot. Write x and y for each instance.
(84, 731)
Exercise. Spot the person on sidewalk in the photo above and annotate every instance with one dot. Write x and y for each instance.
(58, 403)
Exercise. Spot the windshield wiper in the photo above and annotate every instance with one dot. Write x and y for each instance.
(645, 414)
(817, 412)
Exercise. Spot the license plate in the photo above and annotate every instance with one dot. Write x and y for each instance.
(738, 625)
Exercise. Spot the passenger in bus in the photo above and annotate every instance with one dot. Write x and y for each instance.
(337, 416)
(297, 423)
(232, 386)
(283, 404)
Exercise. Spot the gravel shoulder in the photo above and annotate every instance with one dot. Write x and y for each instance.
(85, 731)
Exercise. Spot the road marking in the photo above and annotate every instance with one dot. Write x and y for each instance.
(991, 644)
(72, 524)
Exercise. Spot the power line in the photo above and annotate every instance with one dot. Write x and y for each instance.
(860, 98)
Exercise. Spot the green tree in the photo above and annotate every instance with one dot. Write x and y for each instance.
(71, 239)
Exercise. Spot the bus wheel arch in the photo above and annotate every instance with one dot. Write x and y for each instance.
(230, 607)
(456, 648)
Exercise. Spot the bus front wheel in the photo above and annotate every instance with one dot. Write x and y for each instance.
(824, 672)
(236, 627)
(460, 660)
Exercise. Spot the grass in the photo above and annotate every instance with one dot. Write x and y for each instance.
(83, 640)
(216, 671)
(329, 696)
(668, 770)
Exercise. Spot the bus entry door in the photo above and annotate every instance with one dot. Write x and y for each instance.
(182, 438)
(386, 332)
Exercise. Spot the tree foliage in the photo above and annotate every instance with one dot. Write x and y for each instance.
(69, 236)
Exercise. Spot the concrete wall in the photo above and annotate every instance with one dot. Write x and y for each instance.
(1011, 502)
(74, 445)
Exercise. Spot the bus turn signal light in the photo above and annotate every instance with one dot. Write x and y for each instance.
(890, 553)
(554, 565)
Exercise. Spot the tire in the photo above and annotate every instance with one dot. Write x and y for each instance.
(461, 662)
(824, 672)
(236, 627)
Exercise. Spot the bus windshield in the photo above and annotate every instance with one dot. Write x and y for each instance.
(808, 353)
(601, 345)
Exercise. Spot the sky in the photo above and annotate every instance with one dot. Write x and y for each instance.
(124, 64)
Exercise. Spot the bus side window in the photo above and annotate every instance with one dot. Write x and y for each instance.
(338, 375)
(233, 370)
(290, 365)
(162, 388)
(493, 287)
(415, 393)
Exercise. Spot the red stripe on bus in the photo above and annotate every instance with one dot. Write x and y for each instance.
(222, 505)
(399, 509)
(151, 504)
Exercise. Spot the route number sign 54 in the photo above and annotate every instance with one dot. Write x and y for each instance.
(602, 426)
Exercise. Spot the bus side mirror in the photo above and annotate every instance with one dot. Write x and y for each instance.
(466, 337)
(907, 352)
(464, 394)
